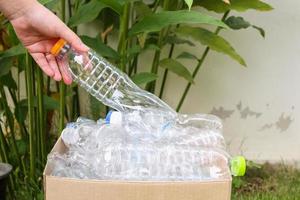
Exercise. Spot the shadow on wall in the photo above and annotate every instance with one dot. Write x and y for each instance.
(281, 124)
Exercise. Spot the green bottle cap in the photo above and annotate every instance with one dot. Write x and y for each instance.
(238, 166)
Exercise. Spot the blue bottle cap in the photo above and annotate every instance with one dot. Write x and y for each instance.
(108, 116)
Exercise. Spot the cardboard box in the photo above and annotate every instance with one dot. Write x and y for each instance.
(58, 188)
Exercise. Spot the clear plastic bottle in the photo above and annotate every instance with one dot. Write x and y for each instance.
(203, 121)
(106, 151)
(104, 81)
(197, 129)
(145, 162)
(148, 123)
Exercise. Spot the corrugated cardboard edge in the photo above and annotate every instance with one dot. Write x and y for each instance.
(61, 148)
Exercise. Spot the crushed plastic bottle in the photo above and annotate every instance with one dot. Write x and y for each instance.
(106, 152)
(104, 81)
(146, 123)
(198, 130)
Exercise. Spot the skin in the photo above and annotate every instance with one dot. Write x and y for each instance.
(39, 29)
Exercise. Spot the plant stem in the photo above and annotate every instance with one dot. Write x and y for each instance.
(133, 67)
(62, 86)
(200, 62)
(70, 8)
(62, 101)
(4, 158)
(151, 86)
(179, 6)
(75, 106)
(3, 147)
(30, 96)
(166, 73)
(123, 35)
(41, 114)
(156, 4)
(10, 120)
(15, 101)
(48, 91)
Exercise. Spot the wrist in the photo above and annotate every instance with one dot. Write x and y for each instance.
(13, 9)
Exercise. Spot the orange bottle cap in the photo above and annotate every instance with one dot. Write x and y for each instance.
(57, 47)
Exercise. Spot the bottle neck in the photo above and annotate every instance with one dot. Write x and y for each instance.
(63, 51)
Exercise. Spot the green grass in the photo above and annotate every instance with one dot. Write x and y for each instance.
(269, 182)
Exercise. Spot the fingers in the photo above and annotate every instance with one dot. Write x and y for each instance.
(64, 32)
(53, 64)
(43, 46)
(56, 69)
(65, 72)
(41, 60)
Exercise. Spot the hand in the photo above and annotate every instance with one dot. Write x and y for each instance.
(39, 29)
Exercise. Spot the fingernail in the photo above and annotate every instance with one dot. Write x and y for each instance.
(50, 73)
(57, 77)
(68, 82)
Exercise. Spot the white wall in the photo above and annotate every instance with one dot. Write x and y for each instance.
(267, 92)
(260, 104)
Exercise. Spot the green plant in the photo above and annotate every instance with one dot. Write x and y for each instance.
(142, 26)
(268, 182)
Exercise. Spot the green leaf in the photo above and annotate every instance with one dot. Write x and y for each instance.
(260, 30)
(173, 39)
(143, 78)
(44, 2)
(151, 47)
(13, 51)
(157, 21)
(187, 55)
(141, 9)
(98, 110)
(132, 51)
(243, 5)
(135, 49)
(115, 5)
(177, 68)
(5, 65)
(13, 38)
(49, 103)
(100, 47)
(238, 5)
(189, 3)
(237, 23)
(86, 13)
(211, 40)
(22, 147)
(21, 111)
(8, 81)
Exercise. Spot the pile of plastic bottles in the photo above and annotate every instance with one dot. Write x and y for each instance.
(144, 139)
(143, 146)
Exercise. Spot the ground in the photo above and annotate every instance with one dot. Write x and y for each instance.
(268, 182)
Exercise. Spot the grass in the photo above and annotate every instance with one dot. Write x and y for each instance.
(268, 182)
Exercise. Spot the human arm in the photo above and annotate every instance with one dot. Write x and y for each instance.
(38, 29)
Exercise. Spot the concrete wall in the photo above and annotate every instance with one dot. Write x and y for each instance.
(260, 104)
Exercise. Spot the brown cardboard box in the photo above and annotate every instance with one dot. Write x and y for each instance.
(58, 188)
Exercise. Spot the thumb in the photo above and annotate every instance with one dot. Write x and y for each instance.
(67, 34)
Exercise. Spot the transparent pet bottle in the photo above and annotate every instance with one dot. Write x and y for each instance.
(104, 81)
(195, 129)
